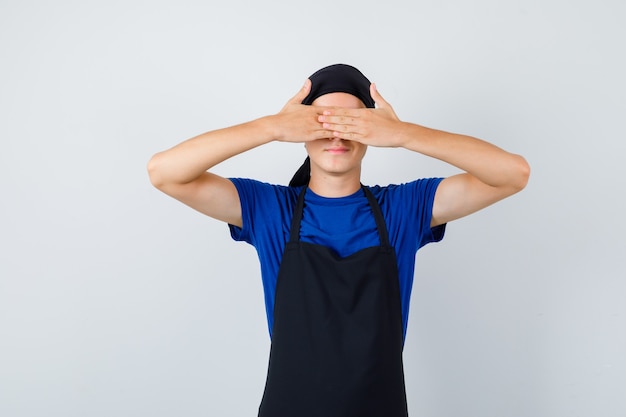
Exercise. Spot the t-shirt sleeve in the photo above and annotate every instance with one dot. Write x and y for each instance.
(265, 208)
(426, 191)
(246, 192)
(408, 212)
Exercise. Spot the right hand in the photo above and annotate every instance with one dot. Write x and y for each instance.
(297, 122)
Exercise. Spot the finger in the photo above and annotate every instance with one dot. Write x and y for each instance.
(337, 119)
(353, 136)
(319, 134)
(378, 99)
(342, 112)
(301, 95)
(344, 128)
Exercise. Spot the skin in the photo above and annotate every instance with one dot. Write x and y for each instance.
(336, 131)
(335, 162)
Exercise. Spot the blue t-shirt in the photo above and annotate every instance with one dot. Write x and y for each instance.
(345, 224)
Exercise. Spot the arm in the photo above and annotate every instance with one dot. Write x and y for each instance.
(491, 174)
(181, 171)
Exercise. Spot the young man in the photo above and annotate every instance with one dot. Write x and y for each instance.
(337, 257)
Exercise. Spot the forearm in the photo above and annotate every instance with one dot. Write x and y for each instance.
(488, 163)
(188, 160)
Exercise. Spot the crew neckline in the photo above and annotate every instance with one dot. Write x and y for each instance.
(313, 197)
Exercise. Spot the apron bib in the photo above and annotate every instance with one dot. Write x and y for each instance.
(337, 337)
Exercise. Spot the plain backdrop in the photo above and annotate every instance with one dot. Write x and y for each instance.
(116, 300)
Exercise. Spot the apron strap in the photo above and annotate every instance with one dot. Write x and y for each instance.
(294, 235)
(378, 216)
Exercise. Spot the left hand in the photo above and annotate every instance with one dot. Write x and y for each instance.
(375, 127)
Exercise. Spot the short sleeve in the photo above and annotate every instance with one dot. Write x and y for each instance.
(407, 209)
(425, 193)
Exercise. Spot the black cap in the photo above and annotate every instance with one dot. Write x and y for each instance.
(340, 78)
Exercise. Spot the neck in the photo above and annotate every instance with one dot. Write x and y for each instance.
(333, 186)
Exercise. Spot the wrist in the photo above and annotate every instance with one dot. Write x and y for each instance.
(266, 128)
(408, 134)
(269, 128)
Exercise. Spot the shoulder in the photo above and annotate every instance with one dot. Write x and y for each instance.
(407, 209)
(250, 188)
(262, 202)
(418, 191)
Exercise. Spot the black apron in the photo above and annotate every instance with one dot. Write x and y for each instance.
(337, 337)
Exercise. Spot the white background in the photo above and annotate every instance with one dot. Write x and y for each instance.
(118, 301)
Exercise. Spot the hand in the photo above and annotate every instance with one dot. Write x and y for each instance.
(297, 122)
(375, 127)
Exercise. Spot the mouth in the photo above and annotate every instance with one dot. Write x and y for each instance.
(337, 150)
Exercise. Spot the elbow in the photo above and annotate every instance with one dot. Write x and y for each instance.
(155, 171)
(522, 174)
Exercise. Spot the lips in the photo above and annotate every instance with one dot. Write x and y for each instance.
(337, 150)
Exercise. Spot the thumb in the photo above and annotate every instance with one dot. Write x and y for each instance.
(378, 99)
(301, 95)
